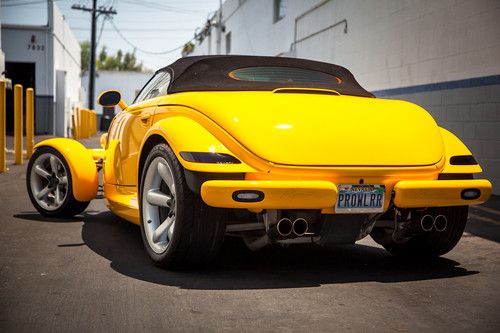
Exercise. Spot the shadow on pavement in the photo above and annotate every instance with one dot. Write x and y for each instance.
(238, 268)
(35, 216)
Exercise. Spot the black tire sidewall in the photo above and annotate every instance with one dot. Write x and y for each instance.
(182, 199)
(68, 200)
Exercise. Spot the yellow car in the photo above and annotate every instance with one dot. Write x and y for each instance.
(273, 150)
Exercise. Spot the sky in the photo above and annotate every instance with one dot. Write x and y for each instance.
(149, 25)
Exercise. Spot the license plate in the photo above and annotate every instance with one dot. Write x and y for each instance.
(360, 198)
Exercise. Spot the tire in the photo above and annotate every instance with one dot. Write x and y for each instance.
(429, 244)
(44, 185)
(195, 231)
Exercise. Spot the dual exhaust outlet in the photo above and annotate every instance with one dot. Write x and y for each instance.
(285, 228)
(429, 223)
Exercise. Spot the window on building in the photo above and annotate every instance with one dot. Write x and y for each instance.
(279, 9)
(228, 43)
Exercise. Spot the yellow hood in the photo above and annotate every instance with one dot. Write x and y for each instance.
(324, 130)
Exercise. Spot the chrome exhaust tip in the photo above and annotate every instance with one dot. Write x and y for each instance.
(440, 223)
(427, 222)
(284, 227)
(300, 227)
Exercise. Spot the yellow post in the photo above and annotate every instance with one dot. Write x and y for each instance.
(3, 167)
(73, 123)
(30, 121)
(94, 122)
(92, 126)
(18, 124)
(78, 120)
(85, 124)
(82, 124)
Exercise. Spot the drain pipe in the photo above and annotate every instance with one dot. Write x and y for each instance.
(298, 18)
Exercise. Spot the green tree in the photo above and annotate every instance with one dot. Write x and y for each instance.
(84, 55)
(112, 62)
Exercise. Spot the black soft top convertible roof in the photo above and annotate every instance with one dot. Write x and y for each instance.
(211, 73)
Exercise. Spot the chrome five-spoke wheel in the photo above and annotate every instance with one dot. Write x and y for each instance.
(159, 204)
(49, 181)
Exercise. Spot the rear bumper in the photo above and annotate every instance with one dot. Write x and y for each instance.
(439, 193)
(278, 194)
(292, 194)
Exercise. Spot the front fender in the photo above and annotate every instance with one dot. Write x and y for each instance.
(455, 147)
(81, 164)
(185, 134)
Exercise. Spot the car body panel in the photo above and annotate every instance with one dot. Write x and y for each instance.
(277, 194)
(322, 130)
(81, 163)
(185, 134)
(123, 201)
(455, 147)
(439, 193)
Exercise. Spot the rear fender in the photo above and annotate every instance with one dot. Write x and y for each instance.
(81, 164)
(455, 147)
(184, 134)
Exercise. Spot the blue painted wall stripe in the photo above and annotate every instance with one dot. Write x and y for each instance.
(467, 83)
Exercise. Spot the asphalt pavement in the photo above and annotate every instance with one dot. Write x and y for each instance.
(91, 273)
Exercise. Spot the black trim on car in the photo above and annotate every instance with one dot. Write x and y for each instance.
(195, 179)
(463, 160)
(455, 176)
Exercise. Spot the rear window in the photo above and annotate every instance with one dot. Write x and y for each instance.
(283, 75)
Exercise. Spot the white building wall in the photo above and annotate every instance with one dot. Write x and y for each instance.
(393, 43)
(388, 44)
(67, 56)
(15, 41)
(52, 47)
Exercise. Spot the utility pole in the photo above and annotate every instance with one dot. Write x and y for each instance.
(95, 12)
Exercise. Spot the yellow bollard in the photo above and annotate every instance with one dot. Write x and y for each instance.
(92, 132)
(18, 124)
(78, 126)
(3, 167)
(85, 124)
(82, 124)
(73, 123)
(94, 123)
(30, 121)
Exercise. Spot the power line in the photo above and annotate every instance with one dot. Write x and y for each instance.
(95, 12)
(140, 49)
(158, 6)
(18, 4)
(100, 31)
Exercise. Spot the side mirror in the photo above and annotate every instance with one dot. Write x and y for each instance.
(110, 98)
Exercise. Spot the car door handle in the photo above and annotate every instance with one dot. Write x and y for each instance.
(145, 117)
